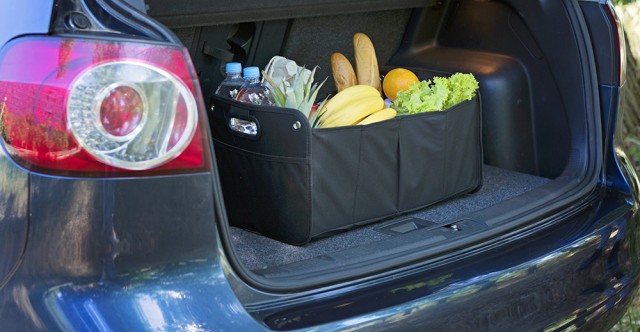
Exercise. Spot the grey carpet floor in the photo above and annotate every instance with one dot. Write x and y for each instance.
(258, 252)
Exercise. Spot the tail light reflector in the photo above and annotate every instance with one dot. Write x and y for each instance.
(101, 108)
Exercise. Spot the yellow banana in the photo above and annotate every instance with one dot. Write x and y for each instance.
(345, 96)
(381, 115)
(354, 112)
(349, 104)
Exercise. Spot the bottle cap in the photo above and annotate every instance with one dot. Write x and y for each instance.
(251, 72)
(233, 67)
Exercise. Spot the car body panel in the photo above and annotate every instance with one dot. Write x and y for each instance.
(194, 296)
(14, 221)
(95, 231)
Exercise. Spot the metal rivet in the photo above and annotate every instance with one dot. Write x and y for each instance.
(297, 125)
(79, 21)
(212, 108)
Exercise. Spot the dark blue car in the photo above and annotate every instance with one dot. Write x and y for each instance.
(118, 210)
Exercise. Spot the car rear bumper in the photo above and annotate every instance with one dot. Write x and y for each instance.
(540, 282)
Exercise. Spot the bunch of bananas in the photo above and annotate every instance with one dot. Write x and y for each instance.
(358, 104)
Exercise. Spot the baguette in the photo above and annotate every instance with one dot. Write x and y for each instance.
(343, 74)
(366, 62)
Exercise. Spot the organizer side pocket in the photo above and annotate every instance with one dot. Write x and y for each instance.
(334, 168)
(263, 156)
(422, 160)
(266, 194)
(464, 151)
(377, 190)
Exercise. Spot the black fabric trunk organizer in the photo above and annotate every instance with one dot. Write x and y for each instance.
(293, 183)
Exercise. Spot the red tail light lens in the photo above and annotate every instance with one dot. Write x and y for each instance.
(76, 106)
(121, 110)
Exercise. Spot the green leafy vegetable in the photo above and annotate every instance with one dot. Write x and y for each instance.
(437, 95)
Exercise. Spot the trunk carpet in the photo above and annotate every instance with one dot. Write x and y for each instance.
(258, 252)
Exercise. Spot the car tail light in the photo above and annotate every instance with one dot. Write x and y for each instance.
(622, 45)
(101, 108)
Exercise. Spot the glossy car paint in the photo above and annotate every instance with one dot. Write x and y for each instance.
(144, 254)
(574, 285)
(13, 212)
(121, 254)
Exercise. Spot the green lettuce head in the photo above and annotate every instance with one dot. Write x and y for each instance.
(437, 95)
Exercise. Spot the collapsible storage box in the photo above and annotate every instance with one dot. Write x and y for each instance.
(292, 183)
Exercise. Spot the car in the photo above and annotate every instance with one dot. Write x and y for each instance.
(119, 209)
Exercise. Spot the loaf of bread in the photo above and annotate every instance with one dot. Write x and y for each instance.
(366, 62)
(343, 74)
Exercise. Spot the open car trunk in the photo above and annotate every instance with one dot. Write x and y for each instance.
(539, 116)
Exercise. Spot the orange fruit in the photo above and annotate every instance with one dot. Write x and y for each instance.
(397, 80)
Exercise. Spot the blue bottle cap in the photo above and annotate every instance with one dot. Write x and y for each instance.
(233, 67)
(251, 72)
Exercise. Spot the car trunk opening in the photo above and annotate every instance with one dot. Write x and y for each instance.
(539, 123)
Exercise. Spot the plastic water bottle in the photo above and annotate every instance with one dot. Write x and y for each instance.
(253, 91)
(233, 82)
